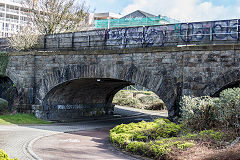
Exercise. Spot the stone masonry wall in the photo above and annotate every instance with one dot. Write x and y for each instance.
(170, 72)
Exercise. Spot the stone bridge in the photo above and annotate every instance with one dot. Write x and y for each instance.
(78, 74)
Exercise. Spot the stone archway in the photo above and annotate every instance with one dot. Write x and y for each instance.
(165, 87)
(223, 81)
(9, 92)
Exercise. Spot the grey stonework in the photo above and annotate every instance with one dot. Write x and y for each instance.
(47, 79)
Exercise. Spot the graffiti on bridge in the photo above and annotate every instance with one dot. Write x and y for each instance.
(172, 33)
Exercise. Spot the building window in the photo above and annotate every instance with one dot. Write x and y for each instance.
(12, 27)
(6, 27)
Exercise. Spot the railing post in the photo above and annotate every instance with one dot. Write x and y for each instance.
(58, 41)
(73, 41)
(89, 41)
(44, 42)
(105, 38)
(143, 37)
(187, 34)
(211, 33)
(238, 29)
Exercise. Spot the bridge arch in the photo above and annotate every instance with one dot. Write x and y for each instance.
(222, 82)
(9, 92)
(55, 79)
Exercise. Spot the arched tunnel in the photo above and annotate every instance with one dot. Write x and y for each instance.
(82, 97)
(8, 92)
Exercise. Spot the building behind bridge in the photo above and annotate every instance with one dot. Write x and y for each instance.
(13, 16)
(136, 18)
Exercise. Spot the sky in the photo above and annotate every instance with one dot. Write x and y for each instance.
(183, 10)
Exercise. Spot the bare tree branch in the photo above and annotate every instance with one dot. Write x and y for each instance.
(57, 16)
(24, 40)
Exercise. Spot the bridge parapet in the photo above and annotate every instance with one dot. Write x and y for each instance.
(196, 33)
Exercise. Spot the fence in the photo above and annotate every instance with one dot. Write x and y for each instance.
(210, 32)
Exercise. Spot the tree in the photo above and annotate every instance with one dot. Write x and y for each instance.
(57, 16)
(25, 39)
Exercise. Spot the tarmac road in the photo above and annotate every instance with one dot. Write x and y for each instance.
(45, 142)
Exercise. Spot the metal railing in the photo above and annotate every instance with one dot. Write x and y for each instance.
(197, 33)
(2, 9)
(12, 20)
(12, 10)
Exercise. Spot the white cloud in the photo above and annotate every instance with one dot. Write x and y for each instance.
(185, 10)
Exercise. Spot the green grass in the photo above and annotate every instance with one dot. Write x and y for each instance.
(21, 119)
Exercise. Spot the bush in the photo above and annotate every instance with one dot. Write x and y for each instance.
(152, 139)
(131, 102)
(157, 149)
(228, 107)
(138, 147)
(197, 112)
(139, 99)
(3, 105)
(4, 156)
(206, 112)
(149, 99)
(211, 134)
(185, 145)
(157, 106)
(161, 138)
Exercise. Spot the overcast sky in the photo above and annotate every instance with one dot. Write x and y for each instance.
(184, 10)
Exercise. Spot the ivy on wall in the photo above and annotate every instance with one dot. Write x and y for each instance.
(4, 59)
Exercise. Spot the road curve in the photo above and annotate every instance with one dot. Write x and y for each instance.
(17, 140)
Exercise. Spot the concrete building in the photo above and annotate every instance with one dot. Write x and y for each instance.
(107, 15)
(96, 18)
(13, 16)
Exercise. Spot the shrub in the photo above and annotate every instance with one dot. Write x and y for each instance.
(140, 138)
(206, 112)
(228, 107)
(185, 145)
(4, 156)
(197, 112)
(211, 134)
(139, 99)
(120, 139)
(168, 130)
(157, 106)
(138, 147)
(131, 102)
(149, 99)
(3, 105)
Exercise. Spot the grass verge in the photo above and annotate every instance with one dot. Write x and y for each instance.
(21, 119)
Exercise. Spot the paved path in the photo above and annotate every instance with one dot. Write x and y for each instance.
(16, 140)
(80, 145)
